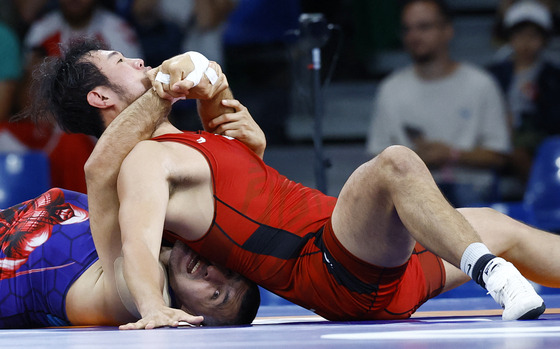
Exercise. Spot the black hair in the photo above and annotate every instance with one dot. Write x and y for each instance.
(60, 87)
(524, 24)
(247, 310)
(441, 5)
(249, 305)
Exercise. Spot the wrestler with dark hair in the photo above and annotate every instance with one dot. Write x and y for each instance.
(388, 243)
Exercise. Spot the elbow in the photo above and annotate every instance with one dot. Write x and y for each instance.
(98, 171)
(94, 167)
(90, 167)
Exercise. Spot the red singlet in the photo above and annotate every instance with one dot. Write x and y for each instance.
(277, 233)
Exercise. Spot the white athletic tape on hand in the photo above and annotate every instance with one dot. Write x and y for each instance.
(211, 75)
(200, 67)
(163, 78)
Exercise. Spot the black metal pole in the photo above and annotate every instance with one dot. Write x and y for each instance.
(314, 33)
(320, 162)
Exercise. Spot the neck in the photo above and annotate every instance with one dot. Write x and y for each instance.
(522, 63)
(436, 69)
(165, 127)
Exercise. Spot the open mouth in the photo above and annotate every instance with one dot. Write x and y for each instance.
(193, 265)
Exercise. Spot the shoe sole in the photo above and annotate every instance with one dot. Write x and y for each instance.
(533, 313)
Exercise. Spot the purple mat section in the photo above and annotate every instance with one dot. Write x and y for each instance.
(292, 327)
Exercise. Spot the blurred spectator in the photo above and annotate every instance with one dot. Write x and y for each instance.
(74, 19)
(451, 113)
(501, 32)
(205, 27)
(10, 70)
(258, 60)
(20, 14)
(203, 32)
(80, 18)
(169, 27)
(10, 74)
(530, 82)
(160, 38)
(200, 23)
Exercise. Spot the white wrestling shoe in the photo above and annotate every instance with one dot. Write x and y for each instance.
(512, 291)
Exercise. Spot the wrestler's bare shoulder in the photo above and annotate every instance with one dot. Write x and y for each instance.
(180, 158)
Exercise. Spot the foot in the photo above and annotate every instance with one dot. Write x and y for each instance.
(512, 291)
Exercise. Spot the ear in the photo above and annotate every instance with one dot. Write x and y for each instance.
(100, 97)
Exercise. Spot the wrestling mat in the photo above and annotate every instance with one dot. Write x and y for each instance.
(443, 322)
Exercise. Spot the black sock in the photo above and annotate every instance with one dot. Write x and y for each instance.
(479, 266)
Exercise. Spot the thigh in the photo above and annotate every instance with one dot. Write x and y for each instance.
(340, 286)
(365, 220)
(424, 279)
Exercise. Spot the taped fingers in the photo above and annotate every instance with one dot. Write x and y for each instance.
(201, 67)
(163, 78)
(170, 82)
(211, 75)
(160, 84)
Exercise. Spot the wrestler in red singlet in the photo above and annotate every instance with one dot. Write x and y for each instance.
(277, 233)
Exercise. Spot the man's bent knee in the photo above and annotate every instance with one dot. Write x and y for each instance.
(397, 161)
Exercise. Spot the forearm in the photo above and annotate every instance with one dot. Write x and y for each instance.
(137, 122)
(143, 278)
(208, 109)
(214, 98)
(134, 124)
(217, 115)
(141, 219)
(478, 157)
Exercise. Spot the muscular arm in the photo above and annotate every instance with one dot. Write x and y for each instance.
(135, 123)
(231, 118)
(216, 108)
(144, 200)
(144, 203)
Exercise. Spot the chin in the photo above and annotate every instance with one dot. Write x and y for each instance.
(146, 83)
(422, 58)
